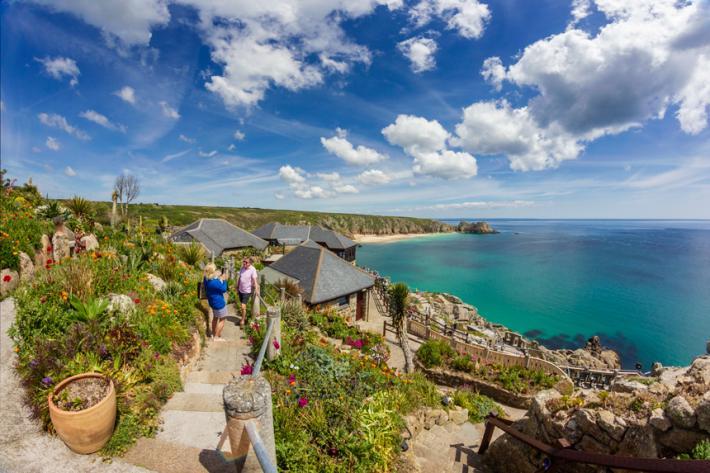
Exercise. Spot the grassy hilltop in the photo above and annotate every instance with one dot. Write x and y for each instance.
(252, 218)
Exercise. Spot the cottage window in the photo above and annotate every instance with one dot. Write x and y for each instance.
(342, 301)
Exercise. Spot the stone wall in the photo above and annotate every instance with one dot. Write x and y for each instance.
(659, 420)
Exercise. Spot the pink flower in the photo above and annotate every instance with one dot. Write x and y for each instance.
(7, 278)
(277, 345)
(247, 369)
(302, 402)
(251, 340)
(292, 379)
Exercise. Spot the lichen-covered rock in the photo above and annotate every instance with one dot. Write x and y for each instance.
(458, 415)
(9, 280)
(157, 283)
(623, 385)
(27, 268)
(703, 413)
(639, 441)
(613, 425)
(121, 304)
(681, 440)
(89, 242)
(700, 370)
(658, 420)
(61, 247)
(680, 412)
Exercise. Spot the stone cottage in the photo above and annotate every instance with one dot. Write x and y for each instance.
(287, 236)
(218, 236)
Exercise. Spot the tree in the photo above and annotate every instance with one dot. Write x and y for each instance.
(399, 293)
(127, 188)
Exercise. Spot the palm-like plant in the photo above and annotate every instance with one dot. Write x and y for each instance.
(80, 207)
(192, 253)
(399, 294)
(88, 311)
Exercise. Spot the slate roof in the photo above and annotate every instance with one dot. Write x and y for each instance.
(290, 234)
(322, 275)
(218, 235)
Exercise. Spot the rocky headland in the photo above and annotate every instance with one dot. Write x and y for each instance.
(481, 228)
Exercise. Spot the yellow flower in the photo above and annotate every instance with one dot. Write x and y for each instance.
(288, 391)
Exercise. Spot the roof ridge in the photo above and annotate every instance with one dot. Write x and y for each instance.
(315, 277)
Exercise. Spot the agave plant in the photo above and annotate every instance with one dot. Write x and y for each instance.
(192, 253)
(80, 207)
(53, 209)
(88, 311)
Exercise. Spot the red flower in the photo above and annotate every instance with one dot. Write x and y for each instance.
(7, 278)
(137, 301)
(302, 402)
(43, 299)
(49, 249)
(276, 344)
(247, 369)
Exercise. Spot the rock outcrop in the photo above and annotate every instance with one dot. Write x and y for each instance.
(633, 423)
(475, 227)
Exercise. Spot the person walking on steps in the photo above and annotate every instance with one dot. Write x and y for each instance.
(247, 284)
(215, 285)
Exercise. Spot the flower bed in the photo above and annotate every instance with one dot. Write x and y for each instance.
(65, 325)
(516, 379)
(340, 411)
(20, 228)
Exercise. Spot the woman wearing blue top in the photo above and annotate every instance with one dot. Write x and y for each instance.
(215, 287)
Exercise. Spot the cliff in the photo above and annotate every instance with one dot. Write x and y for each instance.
(475, 227)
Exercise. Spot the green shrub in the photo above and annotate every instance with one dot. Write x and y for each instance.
(191, 254)
(20, 229)
(462, 363)
(434, 352)
(81, 208)
(478, 405)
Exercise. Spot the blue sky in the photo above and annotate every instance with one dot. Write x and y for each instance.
(441, 108)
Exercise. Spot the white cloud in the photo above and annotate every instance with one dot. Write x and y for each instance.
(329, 176)
(186, 139)
(239, 135)
(467, 17)
(481, 205)
(57, 121)
(129, 21)
(493, 72)
(291, 175)
(102, 120)
(205, 154)
(420, 52)
(69, 171)
(231, 147)
(312, 192)
(342, 148)
(168, 111)
(649, 56)
(52, 144)
(127, 94)
(580, 10)
(374, 177)
(345, 189)
(60, 67)
(497, 128)
(426, 141)
(170, 157)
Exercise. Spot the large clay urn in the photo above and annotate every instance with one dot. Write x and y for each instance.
(88, 430)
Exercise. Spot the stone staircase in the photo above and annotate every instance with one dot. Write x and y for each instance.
(193, 419)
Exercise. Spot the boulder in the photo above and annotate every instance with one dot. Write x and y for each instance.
(9, 280)
(89, 242)
(656, 369)
(121, 304)
(639, 441)
(624, 385)
(60, 246)
(611, 424)
(157, 283)
(669, 377)
(681, 413)
(681, 440)
(703, 413)
(700, 370)
(27, 268)
(659, 421)
(458, 415)
(611, 359)
(477, 227)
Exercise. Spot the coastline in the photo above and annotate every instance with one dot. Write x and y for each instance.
(359, 238)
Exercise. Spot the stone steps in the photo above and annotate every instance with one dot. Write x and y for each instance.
(168, 457)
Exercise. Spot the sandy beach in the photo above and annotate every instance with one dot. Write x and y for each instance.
(391, 238)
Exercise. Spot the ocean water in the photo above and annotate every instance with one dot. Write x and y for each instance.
(642, 286)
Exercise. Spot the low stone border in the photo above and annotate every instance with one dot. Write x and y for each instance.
(457, 379)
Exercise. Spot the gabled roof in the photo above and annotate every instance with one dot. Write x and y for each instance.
(290, 234)
(219, 235)
(322, 275)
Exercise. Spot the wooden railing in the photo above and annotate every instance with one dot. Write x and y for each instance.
(563, 453)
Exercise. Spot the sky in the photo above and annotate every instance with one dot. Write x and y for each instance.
(435, 108)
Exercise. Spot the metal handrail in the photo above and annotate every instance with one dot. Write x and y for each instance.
(563, 453)
(262, 349)
(261, 454)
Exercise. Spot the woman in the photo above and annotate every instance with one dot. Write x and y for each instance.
(215, 287)
(246, 285)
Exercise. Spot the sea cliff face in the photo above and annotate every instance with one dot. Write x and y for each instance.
(475, 227)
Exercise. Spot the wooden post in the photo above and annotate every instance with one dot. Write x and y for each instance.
(274, 314)
(300, 300)
(487, 435)
(283, 294)
(248, 399)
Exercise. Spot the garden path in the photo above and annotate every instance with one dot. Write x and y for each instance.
(193, 419)
(24, 446)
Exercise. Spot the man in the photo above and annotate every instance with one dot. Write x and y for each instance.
(247, 284)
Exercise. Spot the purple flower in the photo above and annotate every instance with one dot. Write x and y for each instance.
(156, 355)
(34, 363)
(247, 369)
(276, 344)
(47, 381)
(103, 351)
(302, 402)
(291, 379)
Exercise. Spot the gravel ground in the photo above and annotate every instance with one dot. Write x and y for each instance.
(24, 447)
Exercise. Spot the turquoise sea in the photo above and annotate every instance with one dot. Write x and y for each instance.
(642, 286)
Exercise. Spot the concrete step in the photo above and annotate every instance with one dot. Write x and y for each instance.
(195, 402)
(203, 388)
(192, 428)
(211, 377)
(167, 457)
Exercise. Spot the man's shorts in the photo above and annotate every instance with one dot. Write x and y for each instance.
(220, 313)
(244, 297)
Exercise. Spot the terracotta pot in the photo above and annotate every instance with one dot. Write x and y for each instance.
(88, 430)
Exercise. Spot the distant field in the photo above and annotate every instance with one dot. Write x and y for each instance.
(252, 218)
